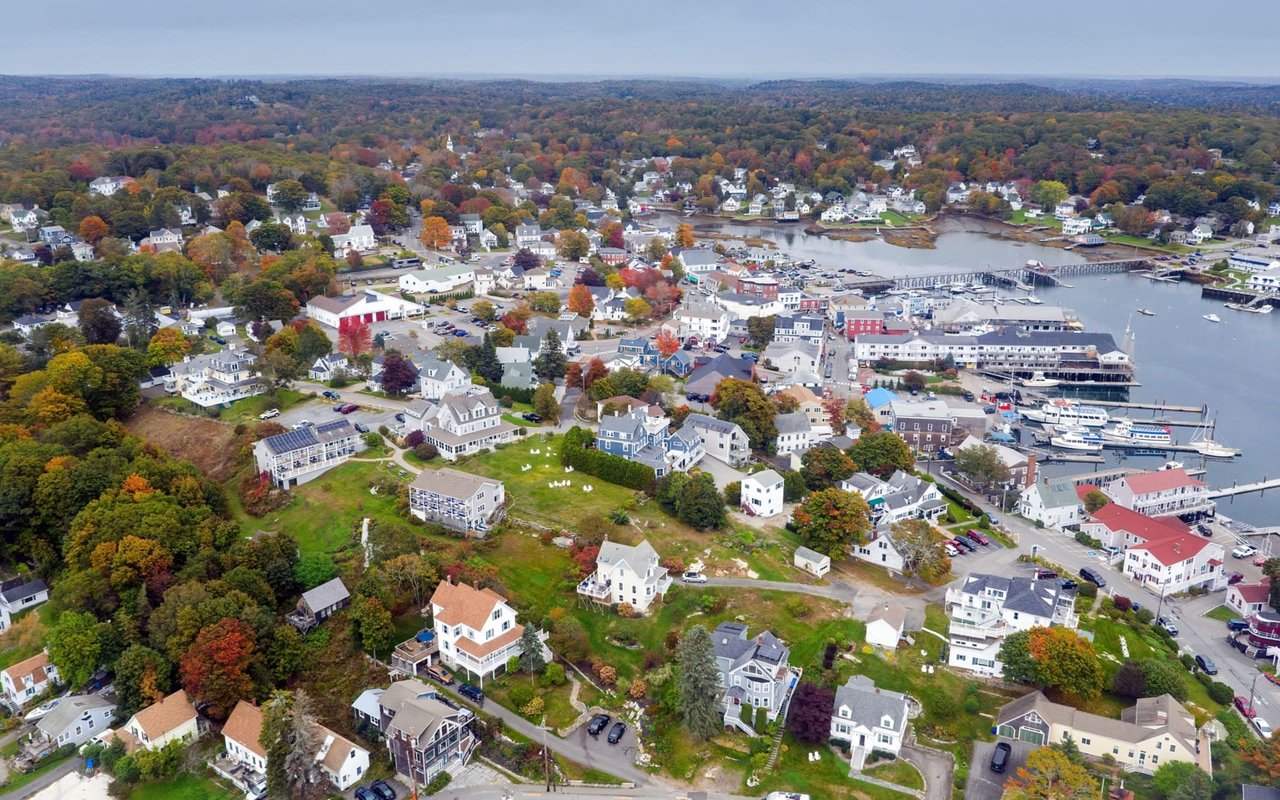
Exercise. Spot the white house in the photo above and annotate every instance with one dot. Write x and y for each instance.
(359, 239)
(1266, 281)
(328, 367)
(244, 761)
(762, 494)
(297, 456)
(18, 595)
(1076, 226)
(28, 679)
(811, 561)
(1249, 598)
(868, 718)
(440, 279)
(216, 379)
(902, 496)
(626, 574)
(705, 322)
(108, 185)
(1052, 503)
(75, 719)
(1161, 553)
(438, 377)
(1162, 492)
(171, 719)
(722, 440)
(885, 624)
(464, 422)
(457, 500)
(986, 608)
(795, 434)
(476, 628)
(880, 550)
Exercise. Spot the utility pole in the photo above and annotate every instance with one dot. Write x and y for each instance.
(1252, 687)
(546, 765)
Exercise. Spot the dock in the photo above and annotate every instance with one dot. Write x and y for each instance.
(1056, 457)
(1246, 488)
(1150, 406)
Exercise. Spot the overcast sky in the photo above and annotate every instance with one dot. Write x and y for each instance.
(712, 38)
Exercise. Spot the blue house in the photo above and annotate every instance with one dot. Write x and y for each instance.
(880, 401)
(643, 435)
(644, 352)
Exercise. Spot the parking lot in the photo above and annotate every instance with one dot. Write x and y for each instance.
(987, 785)
(321, 410)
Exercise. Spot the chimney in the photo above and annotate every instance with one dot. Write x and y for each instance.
(1031, 470)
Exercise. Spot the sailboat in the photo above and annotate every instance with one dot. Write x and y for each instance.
(1146, 312)
(1202, 442)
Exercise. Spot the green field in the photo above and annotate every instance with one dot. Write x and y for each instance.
(241, 410)
(900, 772)
(1222, 614)
(184, 787)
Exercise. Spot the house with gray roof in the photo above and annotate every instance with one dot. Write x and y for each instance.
(722, 440)
(902, 496)
(1054, 503)
(464, 422)
(297, 456)
(795, 434)
(868, 718)
(424, 735)
(457, 500)
(74, 720)
(754, 673)
(626, 574)
(985, 609)
(701, 383)
(318, 604)
(643, 435)
(437, 377)
(19, 594)
(518, 375)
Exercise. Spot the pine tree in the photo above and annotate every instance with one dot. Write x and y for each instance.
(289, 737)
(699, 685)
(487, 364)
(551, 362)
(139, 319)
(531, 659)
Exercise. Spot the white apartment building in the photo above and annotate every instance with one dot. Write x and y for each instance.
(987, 608)
(762, 494)
(297, 456)
(457, 500)
(705, 322)
(1161, 493)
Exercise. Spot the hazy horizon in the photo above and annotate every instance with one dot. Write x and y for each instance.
(579, 40)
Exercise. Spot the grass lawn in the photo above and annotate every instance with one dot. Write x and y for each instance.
(898, 771)
(1222, 614)
(1144, 242)
(184, 787)
(323, 514)
(18, 779)
(557, 711)
(828, 777)
(241, 410)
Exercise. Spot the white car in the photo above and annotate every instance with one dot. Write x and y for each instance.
(1264, 729)
(306, 423)
(269, 413)
(693, 577)
(1244, 551)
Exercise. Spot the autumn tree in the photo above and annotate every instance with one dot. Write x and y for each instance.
(216, 666)
(266, 299)
(572, 245)
(921, 547)
(666, 342)
(1050, 775)
(809, 718)
(824, 467)
(1049, 193)
(435, 233)
(580, 300)
(637, 310)
(291, 195)
(398, 375)
(143, 676)
(982, 465)
(1095, 499)
(354, 338)
(484, 310)
(744, 404)
(544, 402)
(94, 229)
(1055, 658)
(881, 453)
(167, 347)
(831, 521)
(684, 235)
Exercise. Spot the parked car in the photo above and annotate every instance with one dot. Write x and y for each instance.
(1244, 551)
(1092, 577)
(693, 577)
(531, 417)
(967, 542)
(460, 333)
(968, 396)
(269, 413)
(1245, 708)
(217, 340)
(1168, 624)
(439, 673)
(1206, 665)
(329, 394)
(1240, 644)
(1045, 574)
(1234, 578)
(400, 416)
(1068, 584)
(302, 423)
(1264, 729)
(988, 409)
(471, 693)
(1237, 624)
(963, 544)
(598, 724)
(348, 408)
(616, 732)
(978, 537)
(363, 793)
(1204, 529)
(951, 550)
(1259, 561)
(361, 427)
(1000, 758)
(383, 790)
(337, 407)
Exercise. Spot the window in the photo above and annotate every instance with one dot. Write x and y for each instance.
(1085, 740)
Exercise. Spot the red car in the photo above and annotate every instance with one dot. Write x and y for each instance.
(349, 408)
(1259, 561)
(978, 537)
(1234, 577)
(1242, 705)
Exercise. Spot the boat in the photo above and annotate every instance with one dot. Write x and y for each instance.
(1077, 438)
(42, 709)
(1262, 309)
(1039, 381)
(1213, 317)
(1066, 412)
(1126, 431)
(1146, 312)
(1202, 442)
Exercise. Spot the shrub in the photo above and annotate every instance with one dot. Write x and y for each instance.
(971, 704)
(507, 401)
(1144, 615)
(554, 675)
(578, 451)
(607, 674)
(1220, 692)
(438, 783)
(426, 451)
(1122, 603)
(1187, 659)
(413, 439)
(638, 689)
(521, 695)
(373, 439)
(733, 494)
(1086, 589)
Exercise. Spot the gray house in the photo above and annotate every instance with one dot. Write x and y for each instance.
(754, 672)
(318, 604)
(722, 440)
(74, 720)
(868, 718)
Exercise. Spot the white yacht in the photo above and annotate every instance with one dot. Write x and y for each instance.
(1213, 317)
(1067, 412)
(1039, 381)
(1127, 431)
(1077, 438)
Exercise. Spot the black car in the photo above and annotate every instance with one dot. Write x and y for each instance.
(217, 340)
(968, 396)
(1068, 584)
(618, 729)
(967, 541)
(1206, 664)
(364, 794)
(598, 723)
(963, 543)
(1205, 530)
(471, 693)
(1237, 624)
(383, 791)
(1000, 758)
(400, 417)
(531, 417)
(1092, 577)
(331, 395)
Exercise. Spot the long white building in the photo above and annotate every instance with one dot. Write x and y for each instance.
(987, 608)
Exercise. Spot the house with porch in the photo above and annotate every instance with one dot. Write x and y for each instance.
(218, 378)
(869, 719)
(643, 435)
(902, 496)
(985, 609)
(424, 734)
(457, 500)
(626, 574)
(172, 719)
(754, 673)
(476, 629)
(318, 604)
(1162, 493)
(722, 440)
(296, 456)
(464, 422)
(328, 367)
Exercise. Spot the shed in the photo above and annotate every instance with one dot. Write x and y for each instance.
(884, 625)
(812, 562)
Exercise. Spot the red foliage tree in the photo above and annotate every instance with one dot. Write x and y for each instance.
(216, 666)
(810, 717)
(667, 343)
(354, 338)
(585, 558)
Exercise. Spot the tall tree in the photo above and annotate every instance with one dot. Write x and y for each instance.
(544, 402)
(744, 403)
(487, 365)
(266, 299)
(94, 229)
(666, 342)
(139, 319)
(484, 310)
(1050, 775)
(75, 643)
(551, 362)
(372, 623)
(98, 321)
(143, 676)
(921, 547)
(982, 465)
(700, 689)
(167, 347)
(684, 235)
(216, 666)
(809, 717)
(824, 467)
(572, 245)
(399, 375)
(831, 521)
(290, 737)
(291, 195)
(637, 310)
(435, 233)
(881, 453)
(354, 338)
(580, 300)
(531, 659)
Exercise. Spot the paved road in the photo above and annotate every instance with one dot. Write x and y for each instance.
(45, 780)
(527, 791)
(987, 785)
(936, 767)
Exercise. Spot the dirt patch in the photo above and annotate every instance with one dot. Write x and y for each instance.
(916, 238)
(208, 444)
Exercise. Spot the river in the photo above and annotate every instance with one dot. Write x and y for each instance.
(1181, 358)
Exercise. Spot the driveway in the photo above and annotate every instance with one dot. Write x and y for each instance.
(987, 785)
(936, 766)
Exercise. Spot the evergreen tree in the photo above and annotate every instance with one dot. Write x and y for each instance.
(531, 659)
(139, 319)
(551, 362)
(289, 737)
(487, 364)
(699, 685)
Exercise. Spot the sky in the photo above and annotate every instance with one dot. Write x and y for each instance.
(615, 38)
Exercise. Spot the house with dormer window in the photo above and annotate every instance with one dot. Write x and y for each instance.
(465, 421)
(868, 718)
(644, 435)
(476, 628)
(626, 574)
(985, 609)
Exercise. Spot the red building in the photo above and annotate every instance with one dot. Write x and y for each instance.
(867, 321)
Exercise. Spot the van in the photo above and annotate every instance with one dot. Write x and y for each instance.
(1000, 758)
(1092, 577)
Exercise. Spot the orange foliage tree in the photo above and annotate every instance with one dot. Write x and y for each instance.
(216, 666)
(580, 300)
(435, 233)
(94, 229)
(667, 343)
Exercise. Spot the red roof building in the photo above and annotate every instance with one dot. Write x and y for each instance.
(1162, 554)
(1162, 493)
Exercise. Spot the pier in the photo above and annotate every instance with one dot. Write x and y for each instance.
(1157, 406)
(1246, 488)
(1172, 423)
(1023, 277)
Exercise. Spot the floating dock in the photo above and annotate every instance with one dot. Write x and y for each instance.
(1246, 488)
(1172, 423)
(1152, 406)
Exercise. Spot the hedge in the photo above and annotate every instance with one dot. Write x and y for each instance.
(578, 451)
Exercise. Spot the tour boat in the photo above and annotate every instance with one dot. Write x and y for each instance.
(1067, 412)
(1213, 317)
(1038, 381)
(1128, 432)
(1146, 312)
(1077, 439)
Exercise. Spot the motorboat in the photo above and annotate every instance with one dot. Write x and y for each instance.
(1262, 309)
(1062, 411)
(1126, 431)
(1146, 312)
(43, 709)
(1213, 317)
(1039, 381)
(1077, 438)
